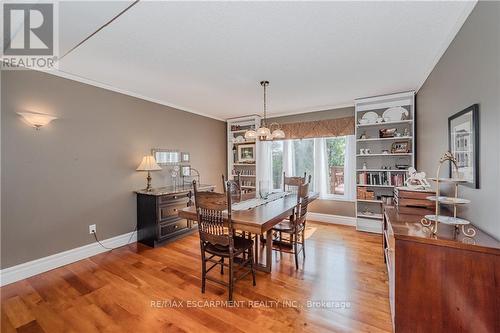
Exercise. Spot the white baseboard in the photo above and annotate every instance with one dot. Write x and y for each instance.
(334, 219)
(34, 267)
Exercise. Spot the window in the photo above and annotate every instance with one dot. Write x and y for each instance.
(277, 164)
(335, 149)
(327, 160)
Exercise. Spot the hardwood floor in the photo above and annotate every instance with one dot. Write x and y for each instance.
(137, 289)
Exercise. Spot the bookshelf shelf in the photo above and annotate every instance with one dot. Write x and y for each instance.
(389, 123)
(373, 185)
(376, 168)
(370, 216)
(377, 155)
(370, 201)
(382, 170)
(396, 138)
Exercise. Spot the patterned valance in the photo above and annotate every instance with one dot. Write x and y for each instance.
(319, 129)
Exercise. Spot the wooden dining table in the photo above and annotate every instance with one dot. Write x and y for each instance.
(258, 221)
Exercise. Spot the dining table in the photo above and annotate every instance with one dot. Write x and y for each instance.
(258, 220)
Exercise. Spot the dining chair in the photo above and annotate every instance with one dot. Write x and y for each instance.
(295, 227)
(291, 184)
(218, 241)
(234, 186)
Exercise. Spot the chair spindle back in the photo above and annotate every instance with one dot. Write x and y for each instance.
(211, 210)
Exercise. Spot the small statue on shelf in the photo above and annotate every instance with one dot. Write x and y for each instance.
(417, 180)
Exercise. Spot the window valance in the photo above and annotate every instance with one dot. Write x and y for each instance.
(319, 128)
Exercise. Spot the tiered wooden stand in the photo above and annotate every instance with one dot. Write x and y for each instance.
(432, 221)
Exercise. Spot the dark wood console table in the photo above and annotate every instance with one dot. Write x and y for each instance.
(442, 283)
(158, 221)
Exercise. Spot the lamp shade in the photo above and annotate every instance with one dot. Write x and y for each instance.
(148, 164)
(263, 132)
(37, 120)
(250, 135)
(278, 134)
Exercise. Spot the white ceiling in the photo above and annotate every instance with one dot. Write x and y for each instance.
(208, 57)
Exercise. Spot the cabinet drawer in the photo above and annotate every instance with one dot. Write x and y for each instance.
(171, 229)
(165, 199)
(171, 210)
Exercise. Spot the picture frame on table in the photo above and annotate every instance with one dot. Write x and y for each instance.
(463, 144)
(185, 170)
(400, 147)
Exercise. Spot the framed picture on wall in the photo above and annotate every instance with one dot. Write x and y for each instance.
(246, 153)
(463, 141)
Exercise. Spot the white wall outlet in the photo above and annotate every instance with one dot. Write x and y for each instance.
(92, 229)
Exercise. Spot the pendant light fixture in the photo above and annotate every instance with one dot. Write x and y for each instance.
(264, 133)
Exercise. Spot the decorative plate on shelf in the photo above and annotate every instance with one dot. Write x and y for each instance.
(371, 117)
(395, 114)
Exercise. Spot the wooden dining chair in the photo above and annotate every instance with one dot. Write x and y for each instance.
(295, 227)
(291, 184)
(232, 186)
(218, 241)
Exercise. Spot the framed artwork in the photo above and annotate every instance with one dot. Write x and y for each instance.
(166, 156)
(463, 141)
(185, 157)
(400, 147)
(186, 171)
(246, 153)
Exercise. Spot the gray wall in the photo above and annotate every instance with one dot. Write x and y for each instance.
(333, 207)
(468, 73)
(80, 169)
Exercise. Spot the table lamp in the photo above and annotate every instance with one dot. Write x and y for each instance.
(148, 164)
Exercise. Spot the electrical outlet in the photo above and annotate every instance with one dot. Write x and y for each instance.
(92, 229)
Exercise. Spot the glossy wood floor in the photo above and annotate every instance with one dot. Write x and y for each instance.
(137, 289)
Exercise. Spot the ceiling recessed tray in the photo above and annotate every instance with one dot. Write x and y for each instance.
(450, 200)
(447, 219)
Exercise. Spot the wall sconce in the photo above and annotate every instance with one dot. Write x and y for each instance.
(36, 120)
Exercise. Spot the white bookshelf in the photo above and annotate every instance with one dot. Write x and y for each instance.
(379, 169)
(248, 171)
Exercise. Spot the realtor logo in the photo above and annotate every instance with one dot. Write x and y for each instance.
(29, 35)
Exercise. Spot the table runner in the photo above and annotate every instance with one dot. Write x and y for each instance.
(252, 203)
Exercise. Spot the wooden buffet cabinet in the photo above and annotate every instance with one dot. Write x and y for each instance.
(443, 283)
(157, 214)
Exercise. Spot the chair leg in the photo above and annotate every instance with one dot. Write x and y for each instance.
(295, 239)
(203, 269)
(222, 265)
(304, 242)
(231, 279)
(250, 256)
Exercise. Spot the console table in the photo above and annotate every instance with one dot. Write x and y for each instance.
(157, 213)
(440, 283)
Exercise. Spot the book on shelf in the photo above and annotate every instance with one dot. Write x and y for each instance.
(399, 179)
(382, 178)
(374, 178)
